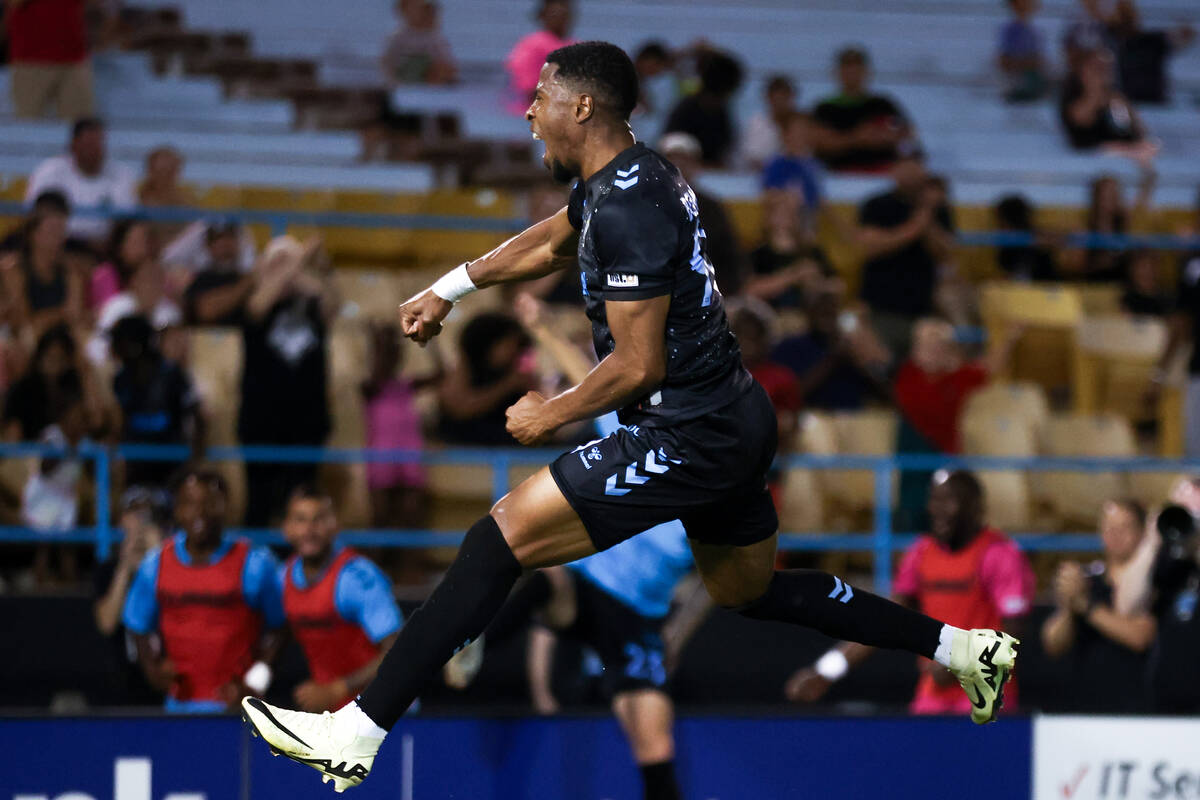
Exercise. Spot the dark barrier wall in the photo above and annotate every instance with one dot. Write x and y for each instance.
(189, 758)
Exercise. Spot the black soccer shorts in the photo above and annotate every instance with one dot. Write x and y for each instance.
(710, 473)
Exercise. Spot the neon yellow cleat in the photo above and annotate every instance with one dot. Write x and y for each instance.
(983, 662)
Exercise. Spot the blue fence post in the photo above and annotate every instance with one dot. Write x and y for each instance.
(279, 225)
(103, 512)
(883, 526)
(499, 476)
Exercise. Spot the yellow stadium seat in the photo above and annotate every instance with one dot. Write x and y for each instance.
(1025, 401)
(347, 483)
(802, 502)
(1049, 315)
(1152, 489)
(989, 431)
(1076, 497)
(867, 433)
(1115, 357)
(215, 360)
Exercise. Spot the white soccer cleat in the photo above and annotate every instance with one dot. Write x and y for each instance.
(983, 662)
(326, 742)
(463, 666)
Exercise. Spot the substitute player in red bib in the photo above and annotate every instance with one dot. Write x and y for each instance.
(338, 604)
(212, 599)
(963, 572)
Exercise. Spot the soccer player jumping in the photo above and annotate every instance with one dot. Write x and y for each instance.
(699, 437)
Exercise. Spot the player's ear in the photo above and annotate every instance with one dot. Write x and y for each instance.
(585, 107)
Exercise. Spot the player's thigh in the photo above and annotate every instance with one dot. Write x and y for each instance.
(539, 524)
(647, 717)
(735, 575)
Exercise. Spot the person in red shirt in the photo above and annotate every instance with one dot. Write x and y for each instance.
(48, 52)
(962, 571)
(932, 386)
(338, 605)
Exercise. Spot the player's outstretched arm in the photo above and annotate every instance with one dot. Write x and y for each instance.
(538, 250)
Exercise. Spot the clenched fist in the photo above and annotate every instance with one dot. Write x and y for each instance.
(527, 420)
(421, 316)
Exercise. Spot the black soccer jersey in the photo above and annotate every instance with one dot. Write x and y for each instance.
(641, 237)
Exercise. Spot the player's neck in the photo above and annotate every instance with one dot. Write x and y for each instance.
(315, 565)
(602, 147)
(201, 549)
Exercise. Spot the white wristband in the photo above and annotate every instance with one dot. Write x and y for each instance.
(455, 284)
(832, 666)
(258, 677)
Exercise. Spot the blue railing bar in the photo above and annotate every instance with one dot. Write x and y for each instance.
(882, 561)
(279, 219)
(18, 534)
(333, 455)
(103, 512)
(934, 461)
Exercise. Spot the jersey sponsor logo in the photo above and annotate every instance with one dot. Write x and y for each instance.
(626, 178)
(620, 281)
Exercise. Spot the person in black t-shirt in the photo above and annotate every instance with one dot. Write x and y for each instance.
(1107, 649)
(1176, 580)
(1034, 262)
(218, 292)
(857, 130)
(789, 268)
(284, 385)
(905, 234)
(1142, 55)
(1096, 115)
(706, 114)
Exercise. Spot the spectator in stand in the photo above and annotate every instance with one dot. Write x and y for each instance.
(48, 57)
(218, 293)
(495, 369)
(144, 519)
(285, 332)
(418, 51)
(214, 601)
(1097, 116)
(1031, 262)
(904, 234)
(338, 605)
(1142, 54)
(51, 201)
(132, 244)
(1175, 578)
(789, 267)
(524, 62)
(1020, 55)
(160, 187)
(1183, 325)
(220, 243)
(56, 374)
(763, 135)
(87, 178)
(962, 571)
(1107, 650)
(399, 496)
(838, 361)
(1107, 215)
(752, 322)
(706, 115)
(794, 169)
(158, 402)
(657, 89)
(146, 297)
(720, 240)
(42, 290)
(856, 130)
(1143, 294)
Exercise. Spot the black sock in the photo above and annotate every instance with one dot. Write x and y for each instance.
(460, 607)
(819, 600)
(658, 781)
(530, 594)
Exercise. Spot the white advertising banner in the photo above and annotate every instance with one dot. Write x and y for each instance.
(1116, 758)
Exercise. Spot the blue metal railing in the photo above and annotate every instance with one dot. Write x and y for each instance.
(882, 541)
(278, 220)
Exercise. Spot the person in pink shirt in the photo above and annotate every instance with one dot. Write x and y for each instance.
(398, 496)
(525, 60)
(133, 244)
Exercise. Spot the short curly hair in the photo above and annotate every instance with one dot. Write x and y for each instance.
(604, 70)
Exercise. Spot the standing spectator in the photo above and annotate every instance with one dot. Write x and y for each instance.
(1020, 55)
(87, 178)
(904, 234)
(218, 292)
(1097, 116)
(159, 404)
(48, 57)
(56, 374)
(524, 62)
(932, 386)
(50, 201)
(657, 89)
(789, 267)
(133, 243)
(855, 129)
(794, 169)
(1142, 293)
(1087, 31)
(706, 114)
(1023, 262)
(418, 51)
(43, 292)
(1108, 215)
(160, 186)
(399, 496)
(963, 571)
(720, 238)
(496, 368)
(284, 385)
(214, 601)
(1106, 650)
(838, 361)
(338, 605)
(763, 136)
(144, 519)
(1142, 54)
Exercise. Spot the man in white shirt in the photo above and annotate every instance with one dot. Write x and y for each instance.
(88, 180)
